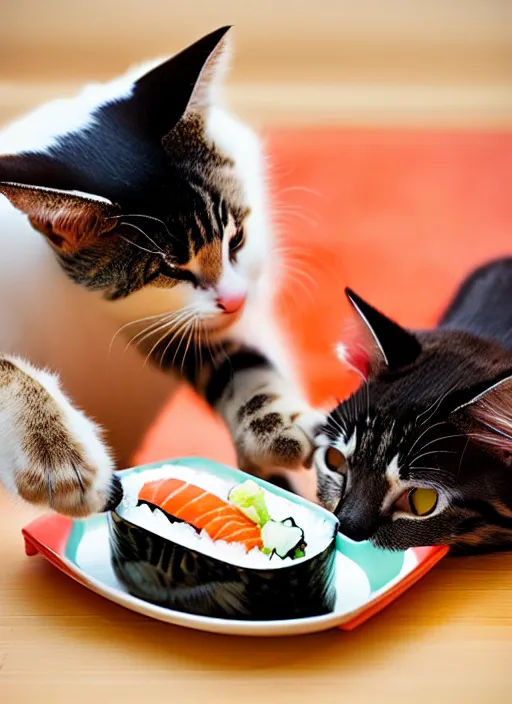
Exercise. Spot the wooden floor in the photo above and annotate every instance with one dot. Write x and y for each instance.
(397, 63)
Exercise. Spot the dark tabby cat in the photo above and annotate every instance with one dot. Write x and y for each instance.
(152, 197)
(421, 454)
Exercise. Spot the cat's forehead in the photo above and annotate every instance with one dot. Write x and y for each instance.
(366, 433)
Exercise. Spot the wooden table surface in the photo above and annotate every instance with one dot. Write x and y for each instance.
(449, 639)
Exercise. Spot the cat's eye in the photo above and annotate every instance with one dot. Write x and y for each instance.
(334, 460)
(420, 501)
(237, 241)
(177, 274)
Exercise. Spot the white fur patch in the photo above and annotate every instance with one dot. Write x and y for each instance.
(347, 446)
(41, 129)
(255, 267)
(58, 191)
(342, 353)
(15, 416)
(258, 448)
(393, 474)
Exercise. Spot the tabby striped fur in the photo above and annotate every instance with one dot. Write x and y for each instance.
(153, 200)
(434, 413)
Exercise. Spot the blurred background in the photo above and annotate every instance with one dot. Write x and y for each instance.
(406, 61)
(387, 126)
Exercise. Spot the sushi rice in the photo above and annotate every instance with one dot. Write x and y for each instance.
(317, 530)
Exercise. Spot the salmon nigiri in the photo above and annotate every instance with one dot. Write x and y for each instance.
(203, 510)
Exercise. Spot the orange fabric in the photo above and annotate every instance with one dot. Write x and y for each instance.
(399, 215)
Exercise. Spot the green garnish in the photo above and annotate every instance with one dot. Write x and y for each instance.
(250, 500)
(281, 538)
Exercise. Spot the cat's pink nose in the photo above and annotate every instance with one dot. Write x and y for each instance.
(233, 303)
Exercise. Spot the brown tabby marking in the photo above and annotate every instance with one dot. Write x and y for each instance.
(267, 424)
(148, 172)
(209, 261)
(51, 465)
(288, 449)
(7, 372)
(482, 537)
(255, 404)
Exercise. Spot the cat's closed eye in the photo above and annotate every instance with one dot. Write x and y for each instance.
(236, 242)
(420, 501)
(178, 274)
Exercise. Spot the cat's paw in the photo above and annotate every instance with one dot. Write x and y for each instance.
(52, 454)
(276, 431)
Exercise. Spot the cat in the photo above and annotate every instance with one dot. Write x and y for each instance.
(421, 453)
(152, 198)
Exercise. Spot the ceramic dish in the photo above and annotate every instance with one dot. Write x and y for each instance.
(165, 560)
(367, 579)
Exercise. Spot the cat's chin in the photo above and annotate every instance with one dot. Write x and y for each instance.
(217, 326)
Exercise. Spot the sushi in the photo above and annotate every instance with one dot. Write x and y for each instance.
(192, 541)
(202, 510)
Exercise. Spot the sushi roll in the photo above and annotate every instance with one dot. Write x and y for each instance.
(191, 541)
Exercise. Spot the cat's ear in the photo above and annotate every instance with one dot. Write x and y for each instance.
(186, 82)
(117, 147)
(69, 219)
(211, 55)
(391, 346)
(491, 408)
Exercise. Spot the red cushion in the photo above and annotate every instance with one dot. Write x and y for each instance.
(400, 216)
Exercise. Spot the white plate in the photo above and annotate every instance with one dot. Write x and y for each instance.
(365, 576)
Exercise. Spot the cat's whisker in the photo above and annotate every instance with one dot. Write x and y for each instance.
(190, 333)
(200, 344)
(149, 217)
(294, 279)
(461, 458)
(181, 327)
(333, 421)
(183, 331)
(434, 406)
(303, 279)
(133, 322)
(167, 319)
(303, 258)
(301, 276)
(176, 327)
(299, 255)
(445, 437)
(153, 330)
(430, 427)
(172, 333)
(280, 206)
(437, 470)
(139, 229)
(301, 189)
(136, 244)
(278, 213)
(279, 203)
(431, 452)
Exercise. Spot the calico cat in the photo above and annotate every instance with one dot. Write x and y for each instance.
(152, 198)
(421, 453)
